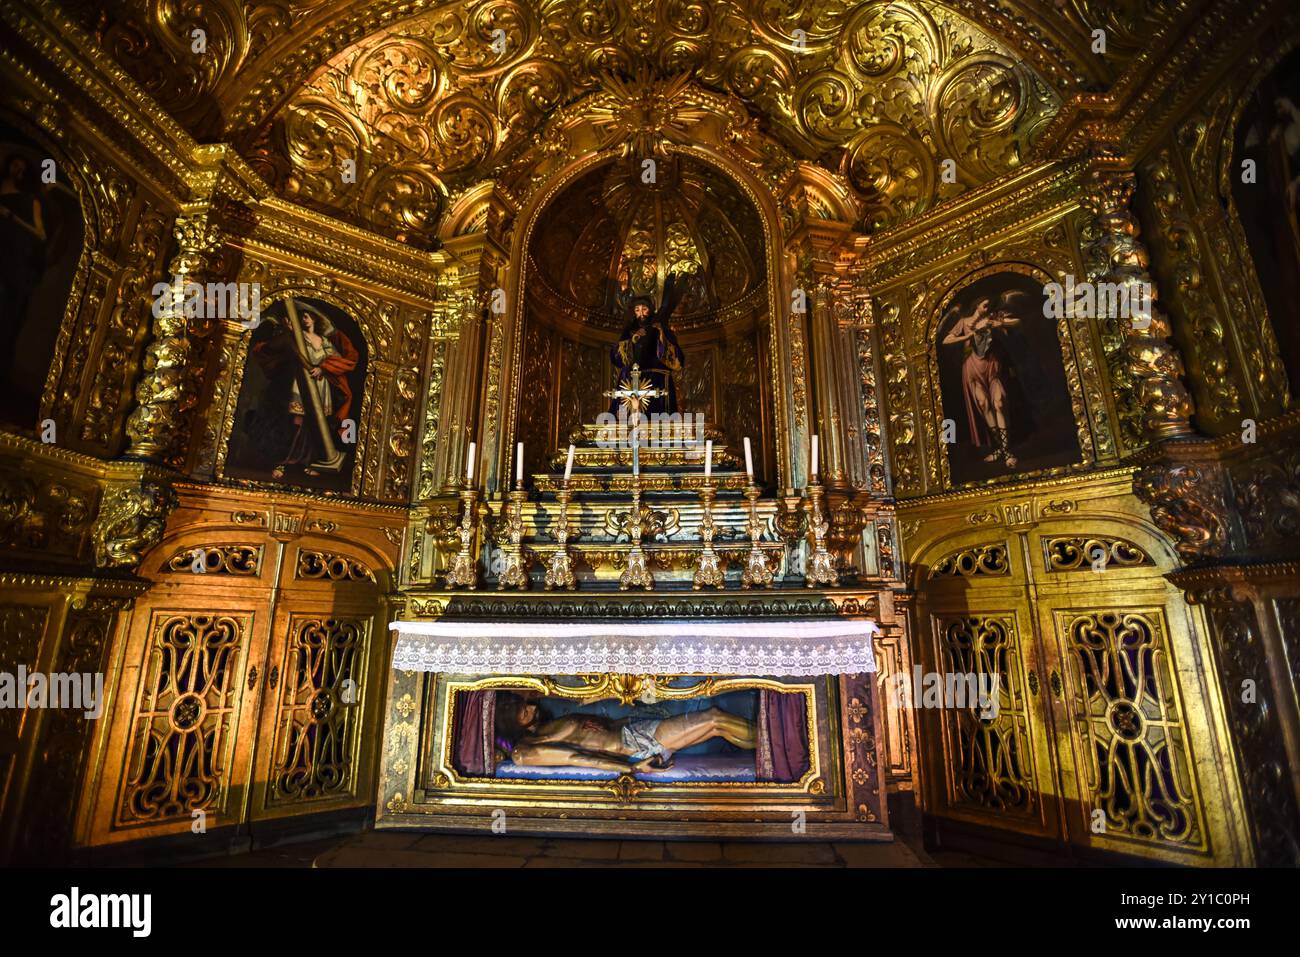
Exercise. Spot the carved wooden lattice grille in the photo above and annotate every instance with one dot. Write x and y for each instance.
(990, 760)
(184, 720)
(1137, 768)
(318, 710)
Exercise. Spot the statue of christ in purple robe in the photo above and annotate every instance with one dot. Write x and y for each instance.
(647, 341)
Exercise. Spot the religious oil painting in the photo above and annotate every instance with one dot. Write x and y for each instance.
(1006, 404)
(40, 243)
(1268, 199)
(296, 421)
(737, 736)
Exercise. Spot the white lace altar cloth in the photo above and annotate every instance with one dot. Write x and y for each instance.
(740, 647)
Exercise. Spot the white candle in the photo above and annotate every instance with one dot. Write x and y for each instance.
(708, 459)
(749, 460)
(469, 464)
(814, 455)
(519, 462)
(568, 466)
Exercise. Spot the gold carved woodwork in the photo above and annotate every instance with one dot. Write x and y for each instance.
(1137, 766)
(165, 393)
(331, 566)
(1074, 553)
(1117, 638)
(181, 727)
(976, 560)
(1144, 365)
(130, 522)
(990, 762)
(226, 559)
(318, 710)
(435, 85)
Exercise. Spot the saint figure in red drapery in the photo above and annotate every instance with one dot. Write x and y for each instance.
(317, 362)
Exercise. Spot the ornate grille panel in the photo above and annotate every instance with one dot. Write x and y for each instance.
(319, 709)
(973, 561)
(184, 721)
(990, 762)
(1073, 553)
(1136, 768)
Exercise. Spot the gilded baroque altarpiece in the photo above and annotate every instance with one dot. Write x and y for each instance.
(830, 127)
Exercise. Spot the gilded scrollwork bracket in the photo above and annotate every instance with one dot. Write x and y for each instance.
(131, 521)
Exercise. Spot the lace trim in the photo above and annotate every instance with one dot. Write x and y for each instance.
(715, 648)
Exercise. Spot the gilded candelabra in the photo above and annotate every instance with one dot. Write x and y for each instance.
(637, 573)
(821, 567)
(559, 567)
(708, 573)
(514, 570)
(757, 573)
(463, 572)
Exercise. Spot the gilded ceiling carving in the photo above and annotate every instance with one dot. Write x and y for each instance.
(694, 222)
(882, 93)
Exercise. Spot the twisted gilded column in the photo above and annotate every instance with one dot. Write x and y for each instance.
(165, 391)
(1144, 363)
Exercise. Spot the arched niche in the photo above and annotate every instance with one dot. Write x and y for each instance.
(609, 227)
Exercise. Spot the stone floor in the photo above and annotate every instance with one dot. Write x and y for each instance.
(397, 849)
(410, 849)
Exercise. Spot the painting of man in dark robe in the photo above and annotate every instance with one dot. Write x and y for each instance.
(296, 418)
(1268, 202)
(40, 243)
(647, 342)
(1003, 382)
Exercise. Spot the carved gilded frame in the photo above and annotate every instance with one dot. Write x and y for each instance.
(1073, 338)
(358, 306)
(438, 787)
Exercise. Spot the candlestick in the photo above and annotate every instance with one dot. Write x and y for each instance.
(814, 455)
(708, 570)
(519, 463)
(757, 572)
(568, 466)
(559, 566)
(463, 572)
(821, 567)
(469, 464)
(514, 569)
(749, 462)
(637, 572)
(708, 459)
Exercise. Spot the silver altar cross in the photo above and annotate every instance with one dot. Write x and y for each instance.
(635, 395)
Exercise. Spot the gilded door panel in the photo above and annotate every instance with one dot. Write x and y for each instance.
(314, 699)
(997, 769)
(181, 750)
(1131, 749)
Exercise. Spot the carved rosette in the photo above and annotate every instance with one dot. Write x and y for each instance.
(166, 389)
(1145, 366)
